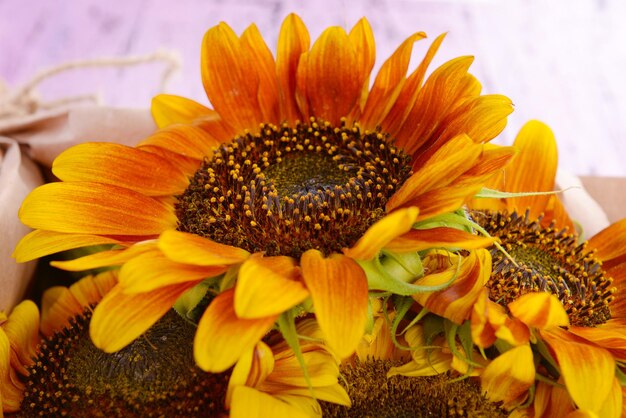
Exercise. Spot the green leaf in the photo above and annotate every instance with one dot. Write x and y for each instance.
(287, 327)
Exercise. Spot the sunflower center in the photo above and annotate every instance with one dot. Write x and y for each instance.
(374, 395)
(289, 189)
(154, 376)
(546, 260)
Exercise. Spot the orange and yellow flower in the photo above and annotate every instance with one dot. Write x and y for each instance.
(549, 299)
(299, 170)
(265, 380)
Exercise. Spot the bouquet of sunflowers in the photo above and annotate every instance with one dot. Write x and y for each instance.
(322, 241)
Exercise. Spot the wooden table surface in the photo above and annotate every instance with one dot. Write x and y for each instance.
(561, 61)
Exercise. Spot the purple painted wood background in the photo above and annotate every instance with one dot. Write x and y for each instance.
(561, 61)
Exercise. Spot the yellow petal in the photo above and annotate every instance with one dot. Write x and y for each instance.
(188, 248)
(120, 318)
(613, 404)
(293, 41)
(509, 376)
(105, 258)
(10, 394)
(251, 369)
(40, 243)
(539, 310)
(588, 370)
(250, 403)
(60, 304)
(222, 337)
(22, 330)
(95, 208)
(537, 152)
(442, 237)
(382, 233)
(168, 109)
(267, 286)
(230, 78)
(154, 270)
(338, 288)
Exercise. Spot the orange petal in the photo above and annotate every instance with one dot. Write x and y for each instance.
(184, 247)
(442, 237)
(447, 87)
(154, 270)
(338, 288)
(331, 76)
(509, 376)
(382, 233)
(40, 243)
(456, 301)
(222, 337)
(267, 286)
(450, 162)
(230, 78)
(540, 310)
(293, 41)
(184, 163)
(388, 83)
(186, 140)
(122, 166)
(104, 258)
(405, 102)
(610, 243)
(267, 94)
(537, 152)
(95, 208)
(610, 335)
(362, 39)
(482, 118)
(588, 370)
(168, 109)
(120, 318)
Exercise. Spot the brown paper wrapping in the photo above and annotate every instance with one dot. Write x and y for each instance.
(41, 137)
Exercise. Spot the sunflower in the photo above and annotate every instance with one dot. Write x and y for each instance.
(549, 313)
(153, 376)
(274, 197)
(374, 377)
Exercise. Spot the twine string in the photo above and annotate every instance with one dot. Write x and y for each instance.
(25, 100)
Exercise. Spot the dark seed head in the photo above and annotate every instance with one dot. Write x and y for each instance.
(155, 376)
(376, 396)
(548, 260)
(289, 189)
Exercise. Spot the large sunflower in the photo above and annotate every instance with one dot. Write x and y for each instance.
(299, 171)
(551, 312)
(153, 376)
